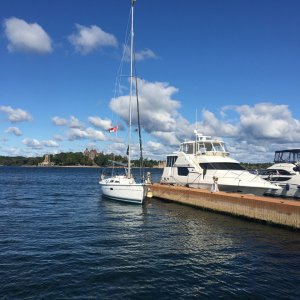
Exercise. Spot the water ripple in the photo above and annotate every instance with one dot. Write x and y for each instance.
(59, 239)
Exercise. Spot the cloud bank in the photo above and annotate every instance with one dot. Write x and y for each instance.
(255, 132)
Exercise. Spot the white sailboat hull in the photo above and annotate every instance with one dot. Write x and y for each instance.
(123, 189)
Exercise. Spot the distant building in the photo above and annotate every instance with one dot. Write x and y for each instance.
(91, 154)
(46, 162)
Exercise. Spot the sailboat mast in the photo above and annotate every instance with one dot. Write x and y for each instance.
(131, 88)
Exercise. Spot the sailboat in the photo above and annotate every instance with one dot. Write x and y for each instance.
(124, 187)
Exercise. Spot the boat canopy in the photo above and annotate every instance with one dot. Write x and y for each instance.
(287, 156)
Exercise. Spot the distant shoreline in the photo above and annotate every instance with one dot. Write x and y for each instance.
(93, 167)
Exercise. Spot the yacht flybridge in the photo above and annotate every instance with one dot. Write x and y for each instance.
(285, 172)
(201, 162)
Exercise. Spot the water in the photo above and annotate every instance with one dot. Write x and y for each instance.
(60, 240)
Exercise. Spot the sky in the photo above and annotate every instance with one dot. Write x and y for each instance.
(228, 68)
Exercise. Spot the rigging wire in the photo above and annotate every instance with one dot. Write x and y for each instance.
(138, 118)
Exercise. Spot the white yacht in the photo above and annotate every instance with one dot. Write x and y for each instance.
(204, 161)
(285, 172)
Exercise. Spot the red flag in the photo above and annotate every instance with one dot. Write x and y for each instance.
(113, 129)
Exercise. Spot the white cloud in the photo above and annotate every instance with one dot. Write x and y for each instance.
(168, 138)
(14, 130)
(100, 123)
(88, 133)
(36, 144)
(72, 122)
(75, 123)
(118, 148)
(156, 95)
(86, 39)
(32, 143)
(156, 150)
(266, 121)
(28, 37)
(50, 143)
(139, 55)
(59, 121)
(210, 125)
(58, 138)
(16, 115)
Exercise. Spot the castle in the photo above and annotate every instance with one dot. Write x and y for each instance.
(91, 154)
(46, 162)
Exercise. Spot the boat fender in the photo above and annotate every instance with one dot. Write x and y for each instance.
(214, 186)
(149, 193)
(148, 178)
(287, 187)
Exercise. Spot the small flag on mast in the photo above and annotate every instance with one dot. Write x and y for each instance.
(113, 129)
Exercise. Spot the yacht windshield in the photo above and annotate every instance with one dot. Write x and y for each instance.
(211, 146)
(218, 147)
(274, 172)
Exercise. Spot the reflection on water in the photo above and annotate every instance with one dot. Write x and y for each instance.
(60, 239)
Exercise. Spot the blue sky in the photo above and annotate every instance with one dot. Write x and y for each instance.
(236, 63)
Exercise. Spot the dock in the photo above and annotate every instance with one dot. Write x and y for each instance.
(277, 211)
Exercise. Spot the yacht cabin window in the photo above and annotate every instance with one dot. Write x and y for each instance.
(171, 161)
(182, 171)
(221, 166)
(187, 148)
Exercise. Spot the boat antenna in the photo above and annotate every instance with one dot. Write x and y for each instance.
(196, 119)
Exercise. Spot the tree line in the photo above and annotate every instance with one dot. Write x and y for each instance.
(74, 159)
(101, 160)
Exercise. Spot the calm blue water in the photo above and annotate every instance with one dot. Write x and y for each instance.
(60, 240)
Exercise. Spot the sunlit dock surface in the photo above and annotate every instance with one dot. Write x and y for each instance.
(271, 210)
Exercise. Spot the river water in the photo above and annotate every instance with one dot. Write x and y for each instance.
(60, 240)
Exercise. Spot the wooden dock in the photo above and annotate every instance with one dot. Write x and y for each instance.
(272, 210)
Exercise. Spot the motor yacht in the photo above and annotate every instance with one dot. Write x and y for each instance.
(285, 172)
(202, 162)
